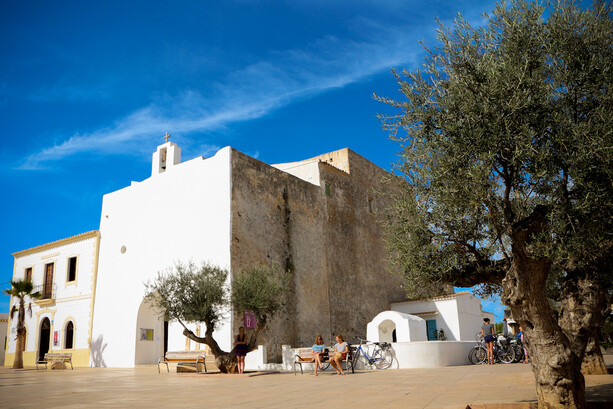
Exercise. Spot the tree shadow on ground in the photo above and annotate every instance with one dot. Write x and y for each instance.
(97, 350)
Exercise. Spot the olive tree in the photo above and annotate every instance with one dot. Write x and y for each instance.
(191, 293)
(507, 155)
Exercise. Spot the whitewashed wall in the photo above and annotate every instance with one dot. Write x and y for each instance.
(459, 315)
(180, 215)
(72, 299)
(445, 314)
(428, 354)
(3, 335)
(409, 328)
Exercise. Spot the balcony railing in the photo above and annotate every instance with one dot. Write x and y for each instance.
(48, 291)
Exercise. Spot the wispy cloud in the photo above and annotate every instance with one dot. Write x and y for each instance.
(251, 92)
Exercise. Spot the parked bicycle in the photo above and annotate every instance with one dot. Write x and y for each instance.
(518, 347)
(504, 351)
(381, 357)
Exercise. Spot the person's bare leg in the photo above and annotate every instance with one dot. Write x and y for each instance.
(335, 364)
(339, 366)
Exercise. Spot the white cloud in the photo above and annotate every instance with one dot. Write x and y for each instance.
(252, 92)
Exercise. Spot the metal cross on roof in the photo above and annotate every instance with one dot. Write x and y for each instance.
(166, 137)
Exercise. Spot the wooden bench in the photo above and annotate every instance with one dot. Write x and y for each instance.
(305, 356)
(183, 357)
(55, 357)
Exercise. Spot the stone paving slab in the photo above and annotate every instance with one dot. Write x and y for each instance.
(143, 387)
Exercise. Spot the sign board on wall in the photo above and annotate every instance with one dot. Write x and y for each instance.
(146, 334)
(250, 320)
(56, 338)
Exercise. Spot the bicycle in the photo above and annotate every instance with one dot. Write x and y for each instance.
(518, 347)
(503, 351)
(382, 356)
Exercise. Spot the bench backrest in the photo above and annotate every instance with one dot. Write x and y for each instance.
(305, 354)
(181, 355)
(49, 356)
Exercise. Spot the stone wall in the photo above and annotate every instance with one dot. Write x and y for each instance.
(326, 235)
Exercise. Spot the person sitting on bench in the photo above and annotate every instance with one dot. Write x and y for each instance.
(318, 351)
(341, 349)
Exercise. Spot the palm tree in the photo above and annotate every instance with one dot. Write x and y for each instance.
(21, 290)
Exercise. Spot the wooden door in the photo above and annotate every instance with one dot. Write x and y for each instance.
(48, 286)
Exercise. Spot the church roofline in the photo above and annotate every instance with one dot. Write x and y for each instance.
(57, 243)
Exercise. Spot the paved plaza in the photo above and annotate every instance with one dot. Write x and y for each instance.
(143, 387)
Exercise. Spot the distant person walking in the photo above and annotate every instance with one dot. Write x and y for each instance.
(488, 332)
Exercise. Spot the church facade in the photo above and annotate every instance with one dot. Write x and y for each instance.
(316, 218)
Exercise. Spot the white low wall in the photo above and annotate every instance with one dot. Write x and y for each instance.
(428, 354)
(420, 354)
(256, 360)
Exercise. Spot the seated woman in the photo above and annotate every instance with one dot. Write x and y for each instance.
(318, 351)
(341, 349)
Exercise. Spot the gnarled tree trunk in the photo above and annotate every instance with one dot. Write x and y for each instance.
(593, 361)
(556, 366)
(225, 361)
(557, 369)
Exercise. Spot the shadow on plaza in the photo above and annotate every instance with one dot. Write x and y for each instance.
(600, 395)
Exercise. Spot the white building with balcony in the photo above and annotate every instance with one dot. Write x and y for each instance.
(64, 272)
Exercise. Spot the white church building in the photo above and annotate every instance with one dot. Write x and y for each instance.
(316, 218)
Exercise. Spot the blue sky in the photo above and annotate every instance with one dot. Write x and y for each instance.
(88, 89)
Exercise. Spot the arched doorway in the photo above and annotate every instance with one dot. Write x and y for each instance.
(387, 331)
(69, 335)
(44, 338)
(149, 335)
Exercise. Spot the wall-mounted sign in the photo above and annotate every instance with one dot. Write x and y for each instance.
(146, 334)
(56, 338)
(250, 320)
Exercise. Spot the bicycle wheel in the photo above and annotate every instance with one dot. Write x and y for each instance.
(519, 353)
(477, 355)
(506, 354)
(383, 359)
(472, 356)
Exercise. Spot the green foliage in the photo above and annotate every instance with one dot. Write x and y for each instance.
(440, 335)
(504, 123)
(190, 293)
(22, 289)
(261, 290)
